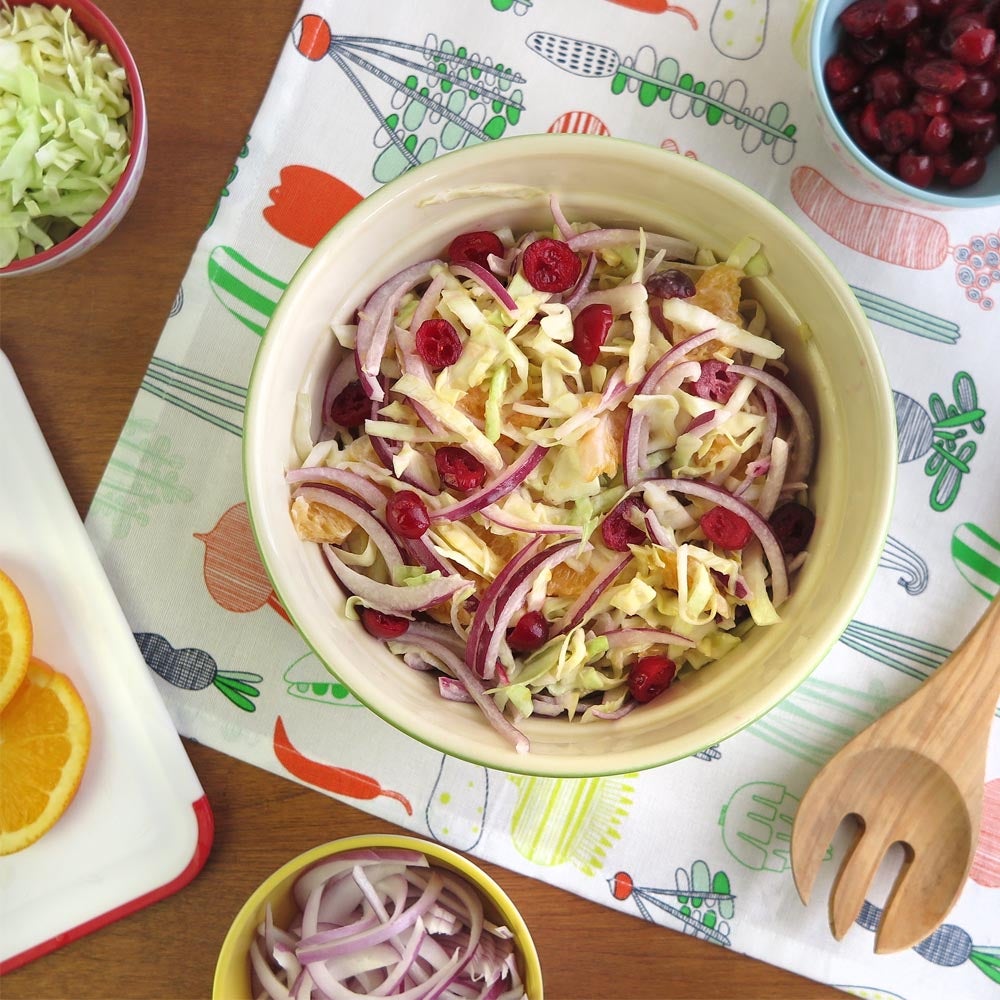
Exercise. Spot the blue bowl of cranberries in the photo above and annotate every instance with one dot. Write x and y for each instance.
(910, 90)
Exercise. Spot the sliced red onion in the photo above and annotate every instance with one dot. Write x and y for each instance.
(597, 239)
(391, 599)
(509, 600)
(433, 632)
(500, 517)
(475, 689)
(489, 596)
(615, 390)
(771, 490)
(562, 223)
(453, 690)
(374, 320)
(588, 597)
(342, 375)
(546, 706)
(805, 437)
(619, 713)
(354, 508)
(385, 449)
(638, 637)
(657, 532)
(429, 301)
(349, 480)
(770, 421)
(477, 272)
(582, 286)
(412, 364)
(499, 488)
(759, 526)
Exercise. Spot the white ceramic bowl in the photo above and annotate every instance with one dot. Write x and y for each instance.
(96, 24)
(838, 372)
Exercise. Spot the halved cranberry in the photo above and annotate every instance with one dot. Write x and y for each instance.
(475, 248)
(968, 171)
(438, 344)
(915, 168)
(726, 528)
(793, 526)
(841, 73)
(351, 407)
(381, 625)
(898, 130)
(458, 469)
(975, 46)
(863, 18)
(530, 633)
(407, 515)
(940, 76)
(937, 135)
(617, 530)
(550, 265)
(651, 676)
(716, 382)
(670, 284)
(590, 330)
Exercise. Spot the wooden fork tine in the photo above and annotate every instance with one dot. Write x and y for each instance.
(816, 821)
(854, 879)
(920, 899)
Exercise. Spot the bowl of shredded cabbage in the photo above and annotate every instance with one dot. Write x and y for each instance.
(379, 914)
(72, 132)
(569, 456)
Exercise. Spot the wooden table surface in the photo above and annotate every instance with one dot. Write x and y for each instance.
(79, 338)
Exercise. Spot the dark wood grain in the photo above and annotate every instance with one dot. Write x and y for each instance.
(79, 338)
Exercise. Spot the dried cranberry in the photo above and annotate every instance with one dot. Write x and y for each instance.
(651, 676)
(898, 130)
(968, 172)
(550, 265)
(900, 16)
(940, 76)
(407, 514)
(530, 633)
(351, 407)
(867, 51)
(915, 168)
(967, 120)
(932, 104)
(982, 141)
(945, 164)
(937, 135)
(726, 528)
(793, 526)
(841, 73)
(888, 86)
(617, 530)
(934, 8)
(670, 284)
(438, 344)
(381, 625)
(978, 93)
(957, 24)
(849, 99)
(475, 248)
(863, 18)
(458, 469)
(975, 46)
(716, 382)
(590, 330)
(870, 122)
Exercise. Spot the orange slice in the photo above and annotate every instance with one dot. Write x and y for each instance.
(44, 743)
(15, 638)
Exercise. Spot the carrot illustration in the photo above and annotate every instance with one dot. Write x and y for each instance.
(658, 7)
(307, 202)
(986, 864)
(893, 235)
(337, 780)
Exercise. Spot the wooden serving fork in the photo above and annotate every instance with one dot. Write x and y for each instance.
(914, 777)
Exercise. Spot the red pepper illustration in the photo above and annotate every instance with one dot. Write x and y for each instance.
(337, 780)
(307, 202)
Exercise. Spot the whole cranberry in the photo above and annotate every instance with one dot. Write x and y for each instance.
(915, 168)
(530, 633)
(900, 16)
(937, 135)
(983, 141)
(932, 104)
(841, 73)
(968, 172)
(940, 76)
(898, 130)
(867, 51)
(974, 46)
(979, 93)
(863, 18)
(888, 86)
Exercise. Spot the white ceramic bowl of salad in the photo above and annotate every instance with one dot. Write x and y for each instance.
(663, 530)
(68, 195)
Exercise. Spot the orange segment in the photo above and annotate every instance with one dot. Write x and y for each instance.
(15, 638)
(44, 743)
(718, 291)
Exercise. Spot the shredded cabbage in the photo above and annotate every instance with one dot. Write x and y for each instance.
(65, 118)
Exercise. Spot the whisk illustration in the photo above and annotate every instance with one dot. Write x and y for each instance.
(448, 97)
(716, 101)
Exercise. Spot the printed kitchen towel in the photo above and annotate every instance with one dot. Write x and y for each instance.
(362, 93)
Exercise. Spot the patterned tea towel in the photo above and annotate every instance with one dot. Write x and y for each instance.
(361, 93)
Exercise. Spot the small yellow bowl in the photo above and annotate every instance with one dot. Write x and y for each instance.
(232, 971)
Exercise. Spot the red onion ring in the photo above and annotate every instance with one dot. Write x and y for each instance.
(352, 481)
(477, 272)
(597, 239)
(626, 637)
(582, 605)
(583, 283)
(562, 223)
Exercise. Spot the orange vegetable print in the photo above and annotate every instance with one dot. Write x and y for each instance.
(307, 203)
(337, 780)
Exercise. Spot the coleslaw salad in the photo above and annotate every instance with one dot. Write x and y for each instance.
(558, 469)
